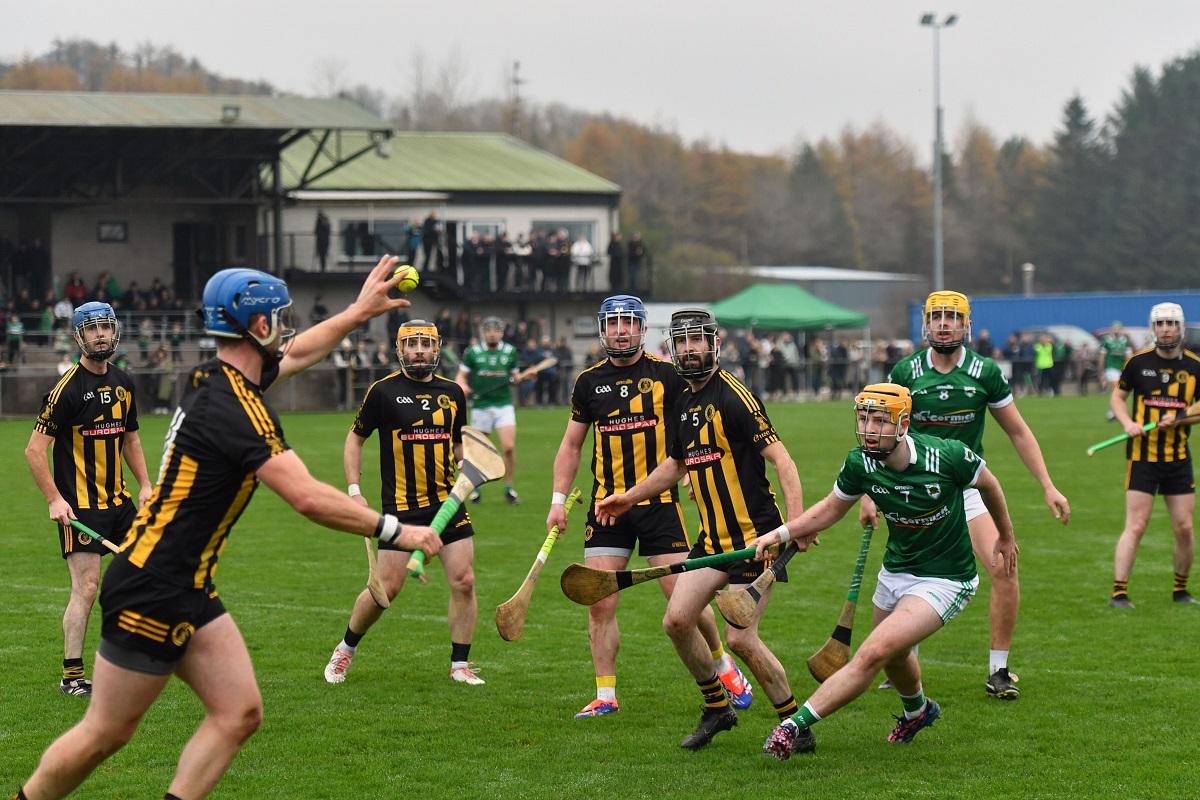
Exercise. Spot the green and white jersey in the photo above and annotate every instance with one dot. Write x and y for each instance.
(952, 406)
(1115, 348)
(923, 505)
(490, 371)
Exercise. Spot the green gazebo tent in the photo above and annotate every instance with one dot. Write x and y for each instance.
(784, 307)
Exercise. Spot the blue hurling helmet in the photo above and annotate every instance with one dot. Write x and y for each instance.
(92, 314)
(614, 309)
(233, 296)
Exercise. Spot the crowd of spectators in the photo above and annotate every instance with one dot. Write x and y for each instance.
(544, 261)
(36, 318)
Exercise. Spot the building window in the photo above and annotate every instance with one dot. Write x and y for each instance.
(363, 240)
(112, 232)
(573, 229)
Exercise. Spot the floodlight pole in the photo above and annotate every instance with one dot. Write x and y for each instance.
(930, 20)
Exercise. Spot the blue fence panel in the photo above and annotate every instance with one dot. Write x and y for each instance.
(1003, 315)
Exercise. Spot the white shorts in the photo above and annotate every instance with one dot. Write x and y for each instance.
(946, 596)
(492, 417)
(973, 504)
(1112, 376)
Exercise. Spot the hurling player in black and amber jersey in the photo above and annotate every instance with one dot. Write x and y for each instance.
(1163, 382)
(626, 401)
(90, 420)
(722, 441)
(419, 418)
(162, 613)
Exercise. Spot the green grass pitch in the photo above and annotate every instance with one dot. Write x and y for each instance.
(1108, 696)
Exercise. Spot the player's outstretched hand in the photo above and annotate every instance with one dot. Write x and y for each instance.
(611, 507)
(373, 298)
(1057, 502)
(419, 537)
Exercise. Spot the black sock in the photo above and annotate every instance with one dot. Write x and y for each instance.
(169, 796)
(352, 639)
(460, 652)
(713, 692)
(72, 669)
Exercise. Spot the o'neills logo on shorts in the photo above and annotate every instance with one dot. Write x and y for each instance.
(425, 436)
(706, 456)
(619, 424)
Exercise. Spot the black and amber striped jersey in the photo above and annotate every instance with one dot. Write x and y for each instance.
(1160, 385)
(88, 416)
(723, 429)
(629, 409)
(220, 435)
(419, 426)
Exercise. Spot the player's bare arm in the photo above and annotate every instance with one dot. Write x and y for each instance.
(135, 457)
(868, 513)
(1116, 402)
(789, 478)
(1030, 451)
(664, 476)
(805, 529)
(36, 453)
(352, 454)
(316, 342)
(993, 499)
(286, 475)
(463, 380)
(566, 464)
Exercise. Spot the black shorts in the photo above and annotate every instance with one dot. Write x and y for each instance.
(1163, 477)
(147, 622)
(111, 523)
(657, 530)
(740, 572)
(458, 528)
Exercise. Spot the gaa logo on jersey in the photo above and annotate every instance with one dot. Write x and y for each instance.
(709, 412)
(444, 401)
(934, 489)
(181, 633)
(122, 395)
(645, 385)
(1182, 376)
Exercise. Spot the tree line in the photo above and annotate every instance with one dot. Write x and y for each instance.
(1111, 203)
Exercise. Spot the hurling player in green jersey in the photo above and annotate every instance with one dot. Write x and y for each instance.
(928, 573)
(951, 388)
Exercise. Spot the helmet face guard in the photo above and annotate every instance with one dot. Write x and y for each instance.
(419, 347)
(876, 406)
(233, 297)
(615, 310)
(102, 320)
(492, 325)
(946, 304)
(691, 327)
(1167, 336)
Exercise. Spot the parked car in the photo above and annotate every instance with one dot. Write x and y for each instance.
(1139, 338)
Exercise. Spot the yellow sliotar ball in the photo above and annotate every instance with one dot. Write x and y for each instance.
(407, 277)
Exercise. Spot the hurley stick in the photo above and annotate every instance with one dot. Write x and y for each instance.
(79, 526)
(587, 585)
(739, 607)
(836, 652)
(510, 615)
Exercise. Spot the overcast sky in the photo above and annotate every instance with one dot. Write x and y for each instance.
(757, 75)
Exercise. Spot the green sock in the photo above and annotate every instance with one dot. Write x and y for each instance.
(805, 718)
(913, 706)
